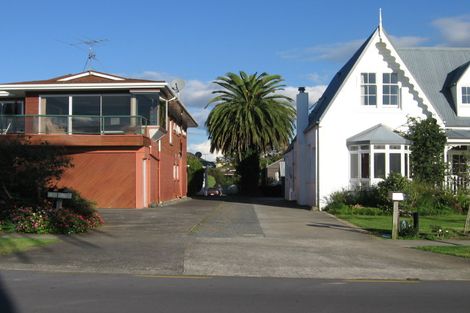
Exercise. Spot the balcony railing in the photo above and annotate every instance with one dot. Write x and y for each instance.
(73, 124)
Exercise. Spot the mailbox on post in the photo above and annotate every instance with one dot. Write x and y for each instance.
(59, 195)
(396, 197)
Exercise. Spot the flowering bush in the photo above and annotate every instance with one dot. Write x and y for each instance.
(66, 221)
(77, 217)
(27, 220)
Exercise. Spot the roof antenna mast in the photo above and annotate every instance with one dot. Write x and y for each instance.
(91, 43)
(380, 23)
(380, 17)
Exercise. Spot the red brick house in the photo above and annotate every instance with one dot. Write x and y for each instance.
(127, 137)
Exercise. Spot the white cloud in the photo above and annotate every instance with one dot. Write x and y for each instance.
(314, 92)
(196, 93)
(204, 147)
(341, 51)
(408, 41)
(454, 30)
(330, 52)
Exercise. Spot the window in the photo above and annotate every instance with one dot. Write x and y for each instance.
(55, 105)
(395, 163)
(55, 108)
(365, 165)
(466, 95)
(354, 166)
(147, 106)
(117, 109)
(459, 164)
(116, 105)
(86, 114)
(368, 89)
(390, 89)
(11, 107)
(379, 165)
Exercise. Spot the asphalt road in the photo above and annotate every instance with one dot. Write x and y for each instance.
(235, 237)
(46, 292)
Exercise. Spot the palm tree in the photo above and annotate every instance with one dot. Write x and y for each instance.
(250, 117)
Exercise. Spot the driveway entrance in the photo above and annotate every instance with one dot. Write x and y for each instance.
(236, 237)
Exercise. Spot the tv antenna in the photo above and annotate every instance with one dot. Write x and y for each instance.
(177, 85)
(89, 45)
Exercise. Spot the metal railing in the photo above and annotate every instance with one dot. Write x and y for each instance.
(73, 124)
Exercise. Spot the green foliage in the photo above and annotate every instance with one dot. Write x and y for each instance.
(249, 118)
(406, 229)
(211, 181)
(427, 150)
(249, 170)
(195, 174)
(364, 197)
(393, 183)
(461, 251)
(421, 197)
(27, 171)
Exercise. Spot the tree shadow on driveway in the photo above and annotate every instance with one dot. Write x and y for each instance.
(339, 227)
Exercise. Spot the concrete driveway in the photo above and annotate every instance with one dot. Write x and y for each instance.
(236, 238)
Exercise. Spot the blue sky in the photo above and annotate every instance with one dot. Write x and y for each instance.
(304, 41)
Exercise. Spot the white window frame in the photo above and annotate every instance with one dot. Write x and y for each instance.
(365, 97)
(465, 94)
(390, 94)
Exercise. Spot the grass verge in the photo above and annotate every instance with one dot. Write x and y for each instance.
(13, 244)
(382, 224)
(461, 251)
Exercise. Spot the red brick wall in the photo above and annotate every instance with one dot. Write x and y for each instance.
(171, 188)
(31, 104)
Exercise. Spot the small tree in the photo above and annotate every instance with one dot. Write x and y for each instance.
(427, 150)
(195, 174)
(27, 171)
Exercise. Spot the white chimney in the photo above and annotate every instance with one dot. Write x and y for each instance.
(302, 113)
(301, 153)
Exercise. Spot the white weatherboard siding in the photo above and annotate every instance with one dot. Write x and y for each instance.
(347, 117)
(320, 160)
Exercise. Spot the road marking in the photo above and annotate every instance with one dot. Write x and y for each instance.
(195, 227)
(176, 276)
(403, 281)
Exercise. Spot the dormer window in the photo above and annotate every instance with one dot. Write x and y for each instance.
(390, 89)
(465, 95)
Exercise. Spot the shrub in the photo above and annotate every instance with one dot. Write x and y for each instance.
(393, 183)
(28, 220)
(65, 221)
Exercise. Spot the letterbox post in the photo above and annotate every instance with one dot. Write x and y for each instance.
(396, 197)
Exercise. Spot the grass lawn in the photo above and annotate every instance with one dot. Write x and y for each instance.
(383, 224)
(462, 251)
(12, 244)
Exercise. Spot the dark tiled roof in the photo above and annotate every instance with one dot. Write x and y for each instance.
(89, 79)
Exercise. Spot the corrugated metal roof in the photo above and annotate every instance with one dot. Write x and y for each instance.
(435, 69)
(379, 134)
(458, 134)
